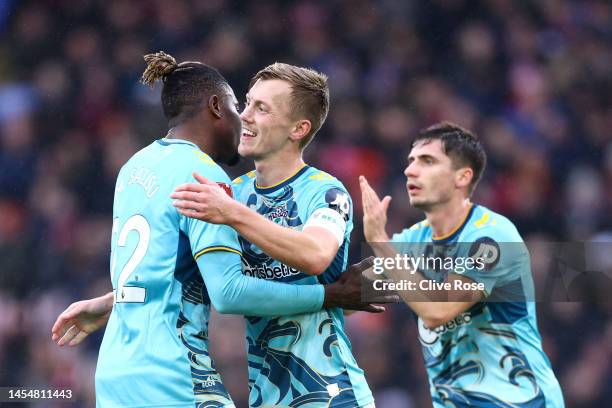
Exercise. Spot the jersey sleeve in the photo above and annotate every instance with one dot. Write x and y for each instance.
(240, 184)
(499, 260)
(232, 292)
(406, 241)
(331, 208)
(404, 237)
(203, 236)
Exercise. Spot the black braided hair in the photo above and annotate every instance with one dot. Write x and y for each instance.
(186, 86)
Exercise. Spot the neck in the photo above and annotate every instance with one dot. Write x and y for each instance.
(273, 170)
(446, 218)
(193, 133)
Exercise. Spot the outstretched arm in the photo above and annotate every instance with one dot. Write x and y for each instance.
(434, 307)
(232, 292)
(81, 319)
(310, 251)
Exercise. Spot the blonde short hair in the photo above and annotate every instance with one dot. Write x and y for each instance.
(309, 93)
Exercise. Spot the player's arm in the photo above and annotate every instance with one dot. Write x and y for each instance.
(232, 292)
(434, 307)
(310, 250)
(81, 319)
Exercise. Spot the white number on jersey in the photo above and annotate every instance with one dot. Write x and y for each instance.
(138, 223)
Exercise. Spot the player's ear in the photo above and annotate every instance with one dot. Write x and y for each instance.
(300, 129)
(214, 105)
(463, 177)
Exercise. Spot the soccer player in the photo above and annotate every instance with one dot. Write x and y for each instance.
(480, 339)
(294, 223)
(167, 269)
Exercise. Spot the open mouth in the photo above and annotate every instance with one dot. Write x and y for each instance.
(248, 133)
(413, 187)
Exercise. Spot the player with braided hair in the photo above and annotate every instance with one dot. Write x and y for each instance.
(159, 65)
(167, 269)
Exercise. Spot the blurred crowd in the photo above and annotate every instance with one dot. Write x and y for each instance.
(532, 78)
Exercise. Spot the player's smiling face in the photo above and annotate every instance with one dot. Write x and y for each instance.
(266, 119)
(430, 175)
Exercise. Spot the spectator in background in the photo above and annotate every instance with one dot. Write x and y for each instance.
(530, 76)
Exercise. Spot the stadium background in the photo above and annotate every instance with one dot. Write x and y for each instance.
(532, 78)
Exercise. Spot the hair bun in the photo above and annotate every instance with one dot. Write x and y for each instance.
(159, 65)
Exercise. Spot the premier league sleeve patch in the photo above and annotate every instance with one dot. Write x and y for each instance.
(335, 216)
(338, 201)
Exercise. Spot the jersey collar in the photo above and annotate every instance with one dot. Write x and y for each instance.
(288, 180)
(451, 235)
(167, 142)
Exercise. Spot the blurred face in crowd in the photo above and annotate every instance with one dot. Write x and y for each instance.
(266, 119)
(432, 178)
(228, 129)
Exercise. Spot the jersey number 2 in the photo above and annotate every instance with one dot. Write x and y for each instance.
(138, 223)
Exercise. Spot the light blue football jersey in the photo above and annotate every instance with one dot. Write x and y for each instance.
(491, 355)
(155, 347)
(301, 360)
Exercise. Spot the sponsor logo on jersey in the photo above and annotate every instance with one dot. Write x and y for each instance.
(263, 271)
(428, 337)
(487, 250)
